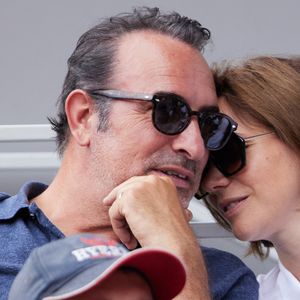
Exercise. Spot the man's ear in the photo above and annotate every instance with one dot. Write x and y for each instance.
(79, 111)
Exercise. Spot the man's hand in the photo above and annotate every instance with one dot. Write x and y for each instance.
(146, 210)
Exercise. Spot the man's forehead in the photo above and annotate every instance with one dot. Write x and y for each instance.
(150, 62)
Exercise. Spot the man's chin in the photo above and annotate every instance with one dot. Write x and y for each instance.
(184, 197)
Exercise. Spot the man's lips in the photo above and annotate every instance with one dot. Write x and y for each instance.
(182, 177)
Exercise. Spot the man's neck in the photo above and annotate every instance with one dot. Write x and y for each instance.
(72, 208)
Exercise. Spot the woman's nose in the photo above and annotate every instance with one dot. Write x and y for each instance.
(213, 180)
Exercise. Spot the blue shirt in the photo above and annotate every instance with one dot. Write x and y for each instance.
(23, 227)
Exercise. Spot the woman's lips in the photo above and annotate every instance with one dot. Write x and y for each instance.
(231, 207)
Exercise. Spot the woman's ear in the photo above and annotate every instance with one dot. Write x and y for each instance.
(79, 111)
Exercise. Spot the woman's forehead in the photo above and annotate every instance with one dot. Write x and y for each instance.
(246, 123)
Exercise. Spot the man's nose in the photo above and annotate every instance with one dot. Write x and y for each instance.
(190, 142)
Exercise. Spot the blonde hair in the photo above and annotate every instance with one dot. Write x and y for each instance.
(263, 90)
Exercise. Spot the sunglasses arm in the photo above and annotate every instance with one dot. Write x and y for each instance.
(125, 95)
(200, 196)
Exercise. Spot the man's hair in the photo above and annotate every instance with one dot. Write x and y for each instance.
(91, 65)
(263, 90)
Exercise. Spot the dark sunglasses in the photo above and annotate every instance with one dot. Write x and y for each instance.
(171, 115)
(232, 157)
(229, 160)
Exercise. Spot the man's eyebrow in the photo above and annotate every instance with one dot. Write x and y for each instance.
(206, 108)
(209, 108)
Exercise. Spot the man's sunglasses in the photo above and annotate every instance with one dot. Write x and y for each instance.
(171, 115)
(232, 157)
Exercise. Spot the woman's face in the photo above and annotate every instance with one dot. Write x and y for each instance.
(262, 201)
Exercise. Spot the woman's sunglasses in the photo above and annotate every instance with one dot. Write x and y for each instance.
(171, 115)
(229, 160)
(232, 157)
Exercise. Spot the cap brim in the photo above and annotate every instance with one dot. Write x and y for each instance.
(164, 271)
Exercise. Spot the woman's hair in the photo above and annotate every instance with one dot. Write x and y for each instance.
(263, 90)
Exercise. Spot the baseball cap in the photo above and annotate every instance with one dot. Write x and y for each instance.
(74, 265)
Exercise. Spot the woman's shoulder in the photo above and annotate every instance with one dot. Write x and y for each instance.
(269, 279)
(279, 283)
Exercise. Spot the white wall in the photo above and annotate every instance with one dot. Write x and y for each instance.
(37, 37)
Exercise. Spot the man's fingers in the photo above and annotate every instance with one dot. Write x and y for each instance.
(117, 192)
(121, 227)
(126, 185)
(111, 197)
(188, 215)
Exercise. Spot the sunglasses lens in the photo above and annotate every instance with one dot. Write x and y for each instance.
(231, 158)
(215, 129)
(170, 115)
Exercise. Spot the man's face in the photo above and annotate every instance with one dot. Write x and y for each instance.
(148, 62)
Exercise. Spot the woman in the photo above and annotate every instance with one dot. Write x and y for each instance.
(253, 183)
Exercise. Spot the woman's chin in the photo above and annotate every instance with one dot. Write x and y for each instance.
(243, 234)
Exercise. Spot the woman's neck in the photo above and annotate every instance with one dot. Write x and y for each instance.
(288, 249)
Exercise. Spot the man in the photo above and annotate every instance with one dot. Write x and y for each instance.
(137, 116)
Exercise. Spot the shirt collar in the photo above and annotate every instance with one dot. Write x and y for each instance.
(10, 205)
